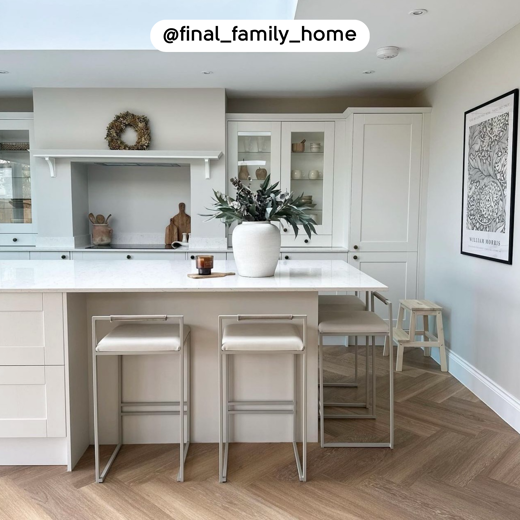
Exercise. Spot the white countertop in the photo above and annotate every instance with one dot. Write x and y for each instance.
(171, 276)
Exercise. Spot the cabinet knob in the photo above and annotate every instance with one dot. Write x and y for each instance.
(285, 230)
(356, 247)
(192, 257)
(287, 257)
(306, 240)
(15, 240)
(355, 257)
(129, 257)
(64, 257)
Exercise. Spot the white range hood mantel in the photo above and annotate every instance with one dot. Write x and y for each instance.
(51, 155)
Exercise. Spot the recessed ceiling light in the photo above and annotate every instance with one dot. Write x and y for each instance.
(418, 12)
(207, 72)
(369, 72)
(4, 72)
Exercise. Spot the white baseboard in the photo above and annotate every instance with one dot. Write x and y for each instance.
(499, 400)
(45, 451)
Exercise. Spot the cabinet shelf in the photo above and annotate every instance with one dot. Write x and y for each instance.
(307, 153)
(306, 180)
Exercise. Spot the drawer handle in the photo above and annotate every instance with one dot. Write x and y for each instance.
(285, 230)
(355, 257)
(129, 257)
(192, 257)
(64, 257)
(306, 240)
(356, 247)
(287, 257)
(15, 240)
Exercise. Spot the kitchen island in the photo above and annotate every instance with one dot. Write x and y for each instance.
(45, 350)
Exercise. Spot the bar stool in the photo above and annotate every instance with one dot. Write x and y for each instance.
(357, 323)
(338, 303)
(265, 334)
(144, 335)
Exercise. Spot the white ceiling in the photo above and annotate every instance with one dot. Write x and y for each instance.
(432, 45)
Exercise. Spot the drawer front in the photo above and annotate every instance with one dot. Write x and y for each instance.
(14, 255)
(314, 256)
(32, 401)
(111, 255)
(50, 255)
(302, 240)
(32, 329)
(17, 239)
(216, 256)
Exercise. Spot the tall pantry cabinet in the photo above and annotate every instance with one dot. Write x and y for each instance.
(387, 179)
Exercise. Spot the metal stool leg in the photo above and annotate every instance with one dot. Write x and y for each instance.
(180, 476)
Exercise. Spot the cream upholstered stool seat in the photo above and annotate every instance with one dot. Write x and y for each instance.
(144, 335)
(270, 335)
(343, 322)
(408, 338)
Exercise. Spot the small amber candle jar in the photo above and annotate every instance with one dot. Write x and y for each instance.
(204, 264)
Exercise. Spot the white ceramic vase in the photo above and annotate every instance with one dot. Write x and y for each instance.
(256, 248)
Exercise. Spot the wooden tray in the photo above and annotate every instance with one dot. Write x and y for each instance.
(212, 275)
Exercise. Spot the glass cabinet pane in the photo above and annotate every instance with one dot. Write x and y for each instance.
(15, 177)
(307, 170)
(253, 157)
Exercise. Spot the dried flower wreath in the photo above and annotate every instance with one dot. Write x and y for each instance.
(117, 127)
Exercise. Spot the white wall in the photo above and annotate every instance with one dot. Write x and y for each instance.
(180, 119)
(141, 200)
(480, 297)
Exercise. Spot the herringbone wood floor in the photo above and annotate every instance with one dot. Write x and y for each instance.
(454, 459)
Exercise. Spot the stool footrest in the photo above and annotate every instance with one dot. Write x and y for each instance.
(256, 412)
(345, 405)
(155, 403)
(261, 403)
(176, 412)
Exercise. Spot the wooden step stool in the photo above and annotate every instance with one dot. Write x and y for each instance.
(403, 338)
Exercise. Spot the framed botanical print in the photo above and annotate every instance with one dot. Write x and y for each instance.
(488, 190)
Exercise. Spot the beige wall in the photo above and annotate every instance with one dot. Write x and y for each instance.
(327, 105)
(480, 297)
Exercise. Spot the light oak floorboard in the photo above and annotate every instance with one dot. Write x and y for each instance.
(453, 459)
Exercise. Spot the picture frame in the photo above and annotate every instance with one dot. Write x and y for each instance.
(489, 179)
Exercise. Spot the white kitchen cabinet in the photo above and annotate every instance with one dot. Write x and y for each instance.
(14, 255)
(16, 191)
(313, 256)
(32, 401)
(127, 255)
(397, 270)
(386, 178)
(310, 171)
(31, 326)
(17, 239)
(50, 255)
(216, 256)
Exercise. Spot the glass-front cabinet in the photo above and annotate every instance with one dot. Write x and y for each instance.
(308, 169)
(299, 155)
(16, 201)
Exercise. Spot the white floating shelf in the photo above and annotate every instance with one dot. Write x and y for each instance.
(132, 155)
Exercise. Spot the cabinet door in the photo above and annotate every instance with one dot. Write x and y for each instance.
(396, 270)
(386, 174)
(16, 202)
(32, 401)
(31, 326)
(311, 170)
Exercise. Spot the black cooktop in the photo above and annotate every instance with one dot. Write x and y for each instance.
(132, 246)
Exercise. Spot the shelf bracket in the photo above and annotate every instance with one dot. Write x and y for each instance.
(52, 165)
(206, 168)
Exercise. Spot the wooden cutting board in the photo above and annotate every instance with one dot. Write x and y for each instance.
(212, 275)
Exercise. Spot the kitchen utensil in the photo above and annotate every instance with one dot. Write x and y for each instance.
(212, 275)
(296, 174)
(106, 221)
(314, 174)
(298, 147)
(100, 219)
(92, 218)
